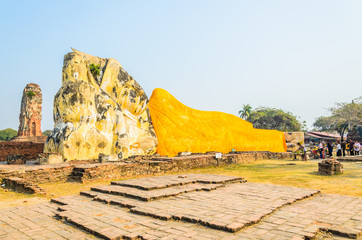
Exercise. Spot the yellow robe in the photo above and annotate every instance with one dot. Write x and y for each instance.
(180, 129)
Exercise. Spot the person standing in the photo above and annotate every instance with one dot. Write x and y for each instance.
(320, 149)
(343, 145)
(351, 148)
(347, 148)
(303, 150)
(330, 148)
(356, 148)
(339, 149)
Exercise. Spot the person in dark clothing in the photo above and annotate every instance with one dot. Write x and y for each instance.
(330, 149)
(343, 144)
(351, 148)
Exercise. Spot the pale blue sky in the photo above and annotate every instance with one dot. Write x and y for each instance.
(300, 56)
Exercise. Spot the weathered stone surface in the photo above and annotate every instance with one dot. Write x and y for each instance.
(29, 149)
(16, 159)
(292, 139)
(20, 185)
(30, 115)
(330, 167)
(233, 211)
(99, 113)
(133, 167)
(51, 158)
(108, 158)
(37, 222)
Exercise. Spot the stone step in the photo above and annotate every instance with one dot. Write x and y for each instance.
(243, 204)
(111, 199)
(233, 208)
(235, 211)
(110, 222)
(151, 195)
(160, 182)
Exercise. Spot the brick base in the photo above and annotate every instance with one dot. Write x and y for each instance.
(136, 166)
(29, 150)
(330, 167)
(20, 185)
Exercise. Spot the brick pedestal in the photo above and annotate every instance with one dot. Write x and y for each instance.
(330, 167)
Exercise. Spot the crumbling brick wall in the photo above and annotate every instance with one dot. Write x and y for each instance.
(28, 149)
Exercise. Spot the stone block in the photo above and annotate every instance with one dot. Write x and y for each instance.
(183, 154)
(108, 158)
(52, 158)
(330, 167)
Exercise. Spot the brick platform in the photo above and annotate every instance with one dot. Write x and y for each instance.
(357, 158)
(330, 167)
(28, 149)
(188, 207)
(133, 167)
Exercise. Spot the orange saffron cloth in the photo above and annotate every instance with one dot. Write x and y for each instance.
(180, 128)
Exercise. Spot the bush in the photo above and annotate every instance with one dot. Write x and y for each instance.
(30, 94)
(95, 70)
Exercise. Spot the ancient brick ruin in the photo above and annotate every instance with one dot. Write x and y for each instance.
(30, 115)
(330, 167)
(20, 185)
(30, 150)
(30, 140)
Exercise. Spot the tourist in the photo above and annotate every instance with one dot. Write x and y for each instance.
(357, 147)
(347, 148)
(351, 149)
(320, 148)
(330, 148)
(343, 145)
(339, 149)
(303, 151)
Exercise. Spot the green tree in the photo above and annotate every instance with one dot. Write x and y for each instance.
(246, 111)
(47, 133)
(272, 118)
(7, 134)
(343, 117)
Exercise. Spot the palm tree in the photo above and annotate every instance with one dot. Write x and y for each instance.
(245, 112)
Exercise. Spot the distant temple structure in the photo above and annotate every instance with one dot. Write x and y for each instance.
(30, 115)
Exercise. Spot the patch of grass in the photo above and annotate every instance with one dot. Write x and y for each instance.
(303, 174)
(60, 189)
(13, 199)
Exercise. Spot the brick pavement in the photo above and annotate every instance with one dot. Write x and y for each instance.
(36, 222)
(188, 207)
